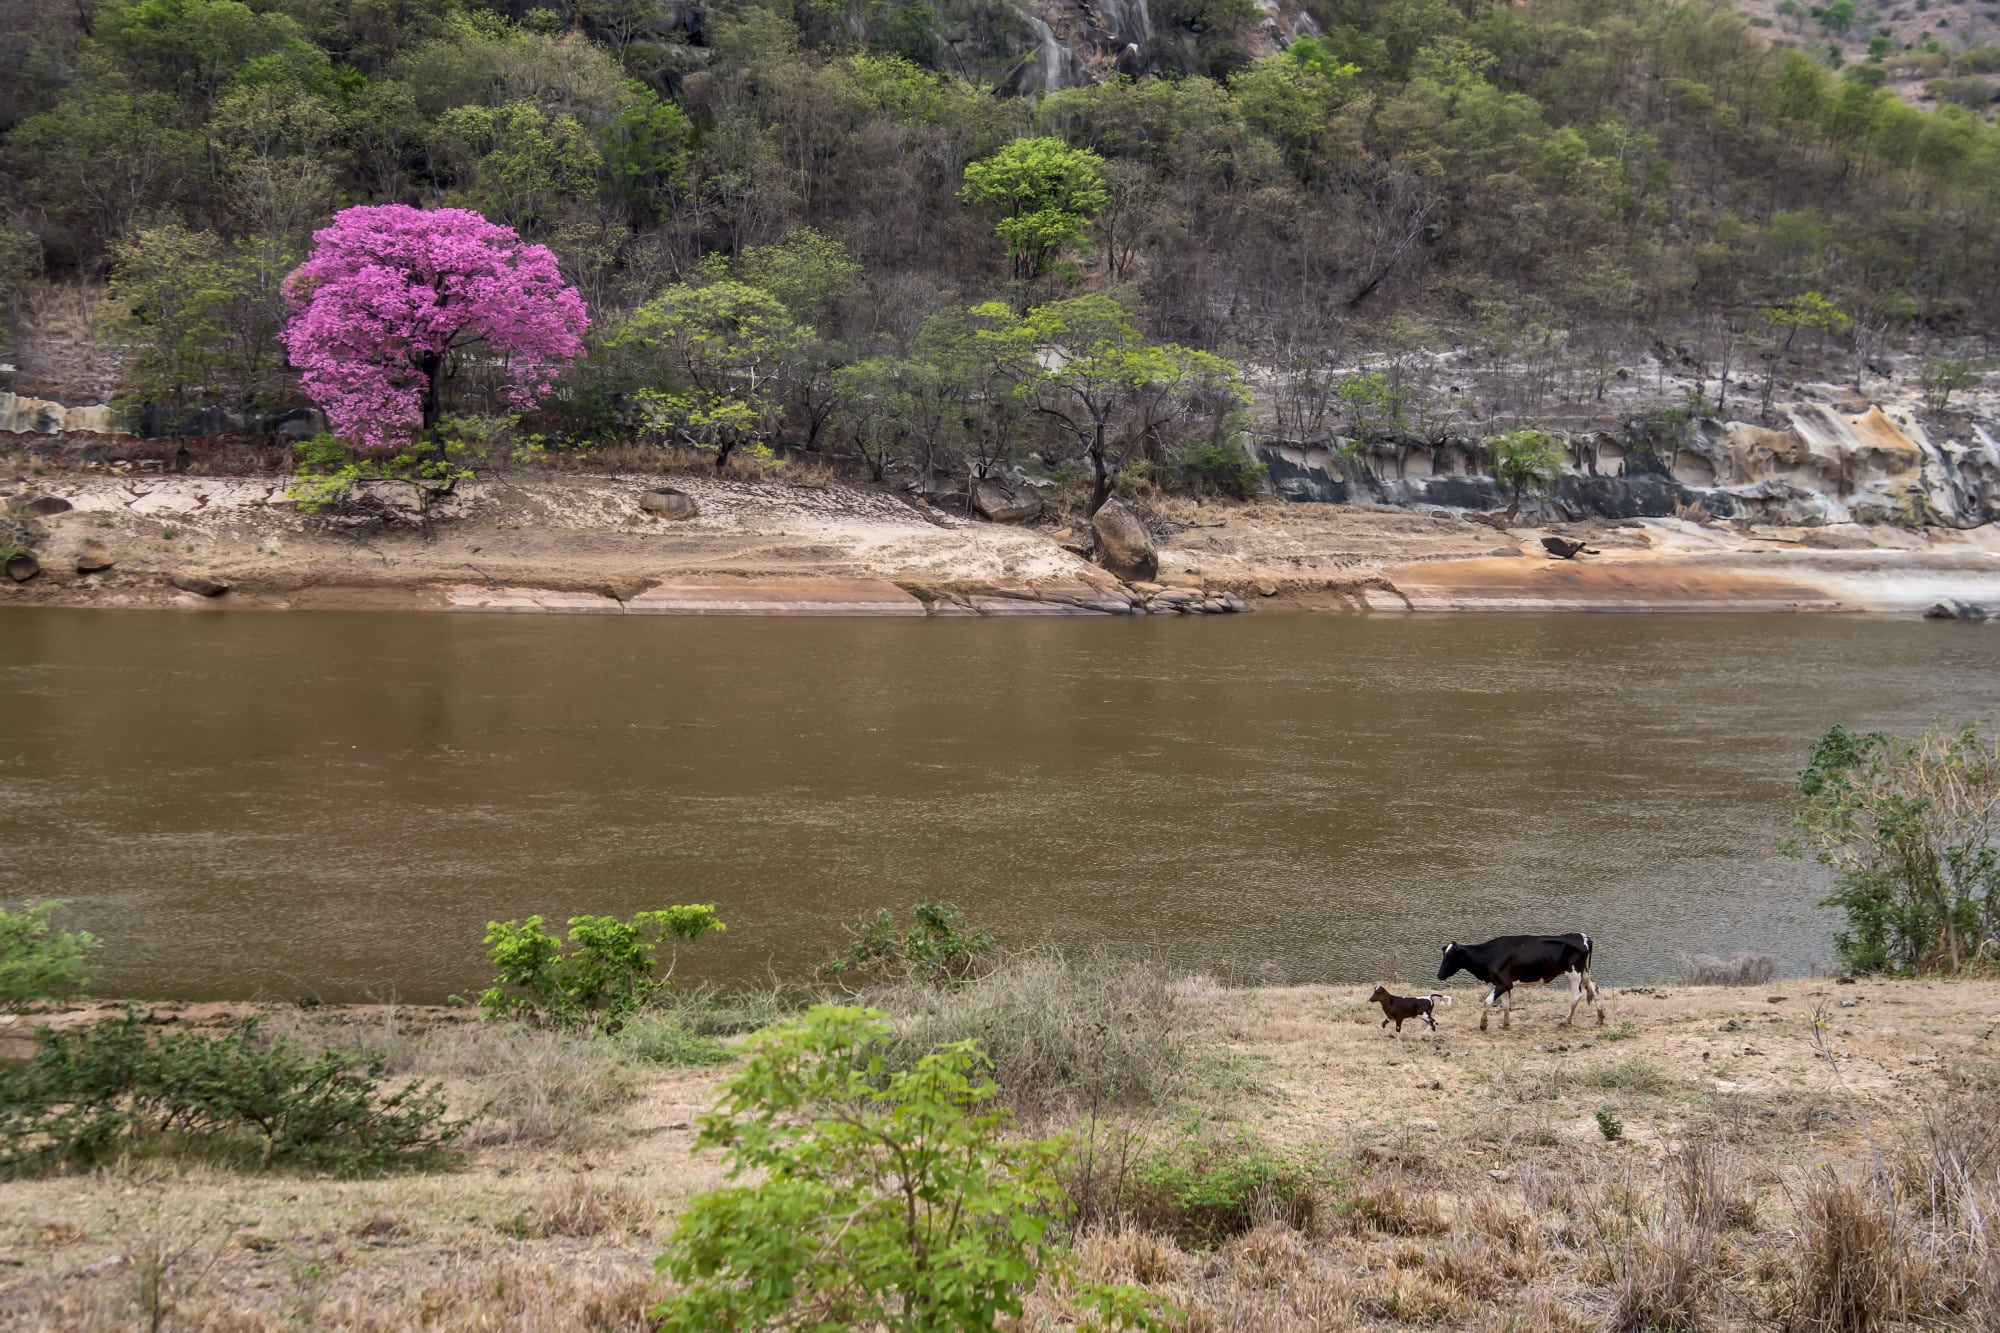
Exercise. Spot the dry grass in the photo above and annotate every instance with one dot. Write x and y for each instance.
(581, 1207)
(1434, 1198)
(1086, 1034)
(1745, 969)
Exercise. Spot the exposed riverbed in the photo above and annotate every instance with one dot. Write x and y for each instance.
(334, 804)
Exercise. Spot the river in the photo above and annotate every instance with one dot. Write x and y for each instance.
(333, 805)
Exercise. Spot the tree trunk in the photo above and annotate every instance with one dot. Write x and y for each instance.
(433, 368)
(1102, 478)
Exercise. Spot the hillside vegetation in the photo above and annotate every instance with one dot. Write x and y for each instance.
(1570, 197)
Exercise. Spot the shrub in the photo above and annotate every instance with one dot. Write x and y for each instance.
(37, 961)
(1203, 1187)
(1061, 1035)
(938, 949)
(1909, 827)
(96, 1091)
(665, 1038)
(878, 1195)
(1609, 1125)
(1217, 468)
(1745, 969)
(604, 970)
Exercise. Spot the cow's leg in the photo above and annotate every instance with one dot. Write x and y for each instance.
(1428, 1018)
(1507, 1009)
(1576, 983)
(1590, 988)
(1385, 1022)
(1486, 1007)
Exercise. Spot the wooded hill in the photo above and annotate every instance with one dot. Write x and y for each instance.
(1566, 195)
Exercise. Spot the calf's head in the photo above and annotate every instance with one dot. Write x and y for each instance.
(1452, 961)
(1381, 994)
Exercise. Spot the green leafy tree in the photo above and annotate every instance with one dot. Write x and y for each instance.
(1909, 827)
(107, 155)
(806, 271)
(1942, 376)
(37, 961)
(518, 163)
(860, 1196)
(1046, 194)
(648, 154)
(727, 351)
(602, 972)
(1107, 390)
(1524, 458)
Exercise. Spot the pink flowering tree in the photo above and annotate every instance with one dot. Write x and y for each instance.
(392, 294)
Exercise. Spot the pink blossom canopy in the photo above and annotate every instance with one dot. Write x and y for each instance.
(390, 291)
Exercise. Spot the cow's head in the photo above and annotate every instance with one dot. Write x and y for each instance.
(1452, 962)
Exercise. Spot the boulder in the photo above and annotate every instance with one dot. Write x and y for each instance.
(1955, 611)
(94, 557)
(45, 506)
(23, 567)
(199, 584)
(1005, 501)
(1124, 547)
(669, 503)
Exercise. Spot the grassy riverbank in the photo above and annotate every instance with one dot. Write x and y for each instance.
(1456, 1180)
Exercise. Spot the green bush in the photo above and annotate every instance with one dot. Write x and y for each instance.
(664, 1037)
(938, 949)
(604, 971)
(1908, 827)
(37, 961)
(865, 1196)
(1609, 1125)
(95, 1092)
(1204, 1186)
(1221, 469)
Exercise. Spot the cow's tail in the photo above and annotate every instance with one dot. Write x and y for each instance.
(1587, 946)
(1437, 995)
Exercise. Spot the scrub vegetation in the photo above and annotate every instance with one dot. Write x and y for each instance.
(833, 231)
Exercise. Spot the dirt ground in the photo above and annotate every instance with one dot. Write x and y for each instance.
(1469, 1182)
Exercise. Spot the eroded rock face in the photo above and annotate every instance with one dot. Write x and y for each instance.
(1006, 501)
(45, 506)
(40, 416)
(1124, 547)
(1822, 467)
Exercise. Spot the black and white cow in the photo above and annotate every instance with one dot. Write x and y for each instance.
(1525, 960)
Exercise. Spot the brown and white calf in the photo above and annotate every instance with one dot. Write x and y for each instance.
(1397, 1008)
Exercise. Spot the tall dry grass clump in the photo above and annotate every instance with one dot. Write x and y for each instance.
(1745, 969)
(1855, 1268)
(1065, 1034)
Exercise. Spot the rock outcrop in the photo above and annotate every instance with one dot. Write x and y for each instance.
(1006, 501)
(1821, 467)
(669, 504)
(94, 557)
(201, 585)
(1124, 547)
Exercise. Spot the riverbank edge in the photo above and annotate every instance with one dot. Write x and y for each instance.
(1895, 583)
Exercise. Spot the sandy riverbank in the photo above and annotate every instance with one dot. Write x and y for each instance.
(580, 544)
(1469, 1183)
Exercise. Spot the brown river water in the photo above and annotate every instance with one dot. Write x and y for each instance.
(333, 805)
